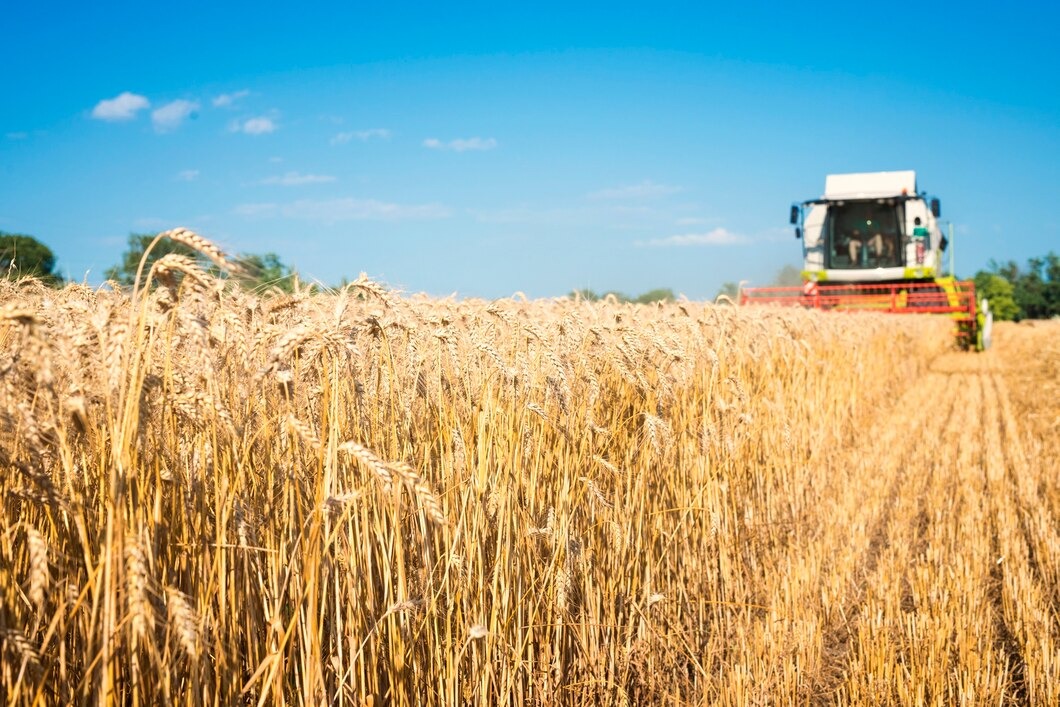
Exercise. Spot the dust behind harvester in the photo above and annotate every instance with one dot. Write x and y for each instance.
(872, 242)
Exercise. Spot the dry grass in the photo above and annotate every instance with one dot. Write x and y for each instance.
(363, 498)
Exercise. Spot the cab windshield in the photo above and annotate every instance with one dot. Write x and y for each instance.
(863, 234)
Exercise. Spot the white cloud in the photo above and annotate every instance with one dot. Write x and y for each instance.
(188, 175)
(171, 115)
(294, 179)
(362, 135)
(718, 236)
(226, 100)
(125, 106)
(461, 144)
(776, 234)
(254, 126)
(259, 126)
(534, 215)
(345, 209)
(645, 190)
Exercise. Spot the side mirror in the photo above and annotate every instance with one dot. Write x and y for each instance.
(798, 232)
(794, 214)
(936, 208)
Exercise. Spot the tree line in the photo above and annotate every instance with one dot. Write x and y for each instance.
(659, 294)
(1016, 293)
(25, 256)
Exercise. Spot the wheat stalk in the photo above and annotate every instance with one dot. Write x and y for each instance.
(39, 575)
(196, 242)
(183, 621)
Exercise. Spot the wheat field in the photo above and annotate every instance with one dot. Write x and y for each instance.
(358, 497)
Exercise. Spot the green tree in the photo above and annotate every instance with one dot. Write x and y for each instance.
(729, 289)
(594, 296)
(659, 294)
(788, 276)
(264, 271)
(999, 292)
(1030, 291)
(585, 293)
(1036, 289)
(25, 256)
(259, 271)
(125, 272)
(1052, 286)
(1042, 287)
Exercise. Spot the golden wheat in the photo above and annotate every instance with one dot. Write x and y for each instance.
(218, 497)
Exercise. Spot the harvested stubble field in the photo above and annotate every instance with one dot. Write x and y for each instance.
(214, 497)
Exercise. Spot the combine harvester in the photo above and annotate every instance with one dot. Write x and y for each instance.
(873, 243)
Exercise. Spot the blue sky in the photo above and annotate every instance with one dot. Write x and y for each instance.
(484, 149)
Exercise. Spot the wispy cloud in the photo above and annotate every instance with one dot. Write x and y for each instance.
(716, 237)
(124, 106)
(227, 100)
(645, 190)
(362, 135)
(254, 126)
(187, 175)
(461, 144)
(171, 115)
(17, 135)
(776, 234)
(535, 215)
(295, 179)
(345, 209)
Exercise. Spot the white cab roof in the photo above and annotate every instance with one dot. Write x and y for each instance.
(869, 185)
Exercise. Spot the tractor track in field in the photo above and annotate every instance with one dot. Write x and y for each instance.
(1006, 639)
(839, 640)
(931, 574)
(975, 437)
(881, 454)
(1015, 470)
(996, 435)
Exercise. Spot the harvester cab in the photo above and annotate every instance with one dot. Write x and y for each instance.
(873, 241)
(873, 227)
